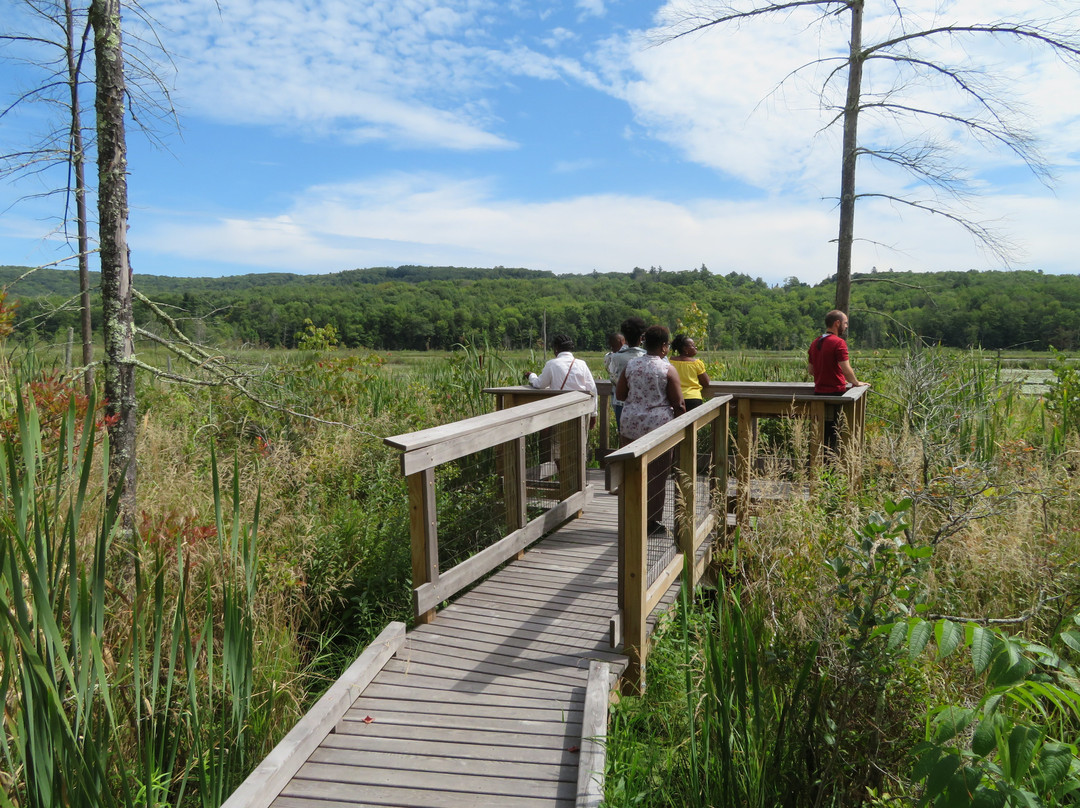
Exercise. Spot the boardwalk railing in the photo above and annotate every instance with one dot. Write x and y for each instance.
(661, 535)
(755, 400)
(483, 489)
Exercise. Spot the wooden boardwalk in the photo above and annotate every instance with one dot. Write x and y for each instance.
(483, 706)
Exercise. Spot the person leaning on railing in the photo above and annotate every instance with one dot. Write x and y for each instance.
(830, 366)
(651, 394)
(691, 370)
(565, 372)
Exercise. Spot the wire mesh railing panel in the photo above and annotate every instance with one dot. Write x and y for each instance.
(470, 506)
(703, 494)
(542, 474)
(660, 515)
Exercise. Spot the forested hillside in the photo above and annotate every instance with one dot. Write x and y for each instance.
(436, 307)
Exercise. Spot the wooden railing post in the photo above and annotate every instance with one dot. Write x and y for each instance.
(742, 463)
(635, 574)
(424, 532)
(721, 438)
(511, 465)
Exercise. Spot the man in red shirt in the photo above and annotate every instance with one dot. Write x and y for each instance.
(828, 358)
(829, 365)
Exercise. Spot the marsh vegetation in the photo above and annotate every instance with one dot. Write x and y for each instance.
(902, 644)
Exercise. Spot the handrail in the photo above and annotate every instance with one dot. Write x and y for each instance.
(506, 397)
(506, 431)
(642, 589)
(754, 400)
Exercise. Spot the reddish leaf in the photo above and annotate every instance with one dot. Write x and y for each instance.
(368, 719)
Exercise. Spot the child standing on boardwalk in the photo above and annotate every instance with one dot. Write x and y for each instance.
(692, 375)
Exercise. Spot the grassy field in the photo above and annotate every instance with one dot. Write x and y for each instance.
(914, 641)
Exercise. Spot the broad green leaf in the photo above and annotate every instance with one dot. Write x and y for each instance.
(947, 635)
(1071, 639)
(982, 648)
(920, 636)
(940, 776)
(984, 739)
(987, 798)
(926, 755)
(1023, 741)
(951, 722)
(897, 634)
(1054, 763)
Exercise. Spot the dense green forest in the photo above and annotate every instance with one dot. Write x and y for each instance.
(413, 308)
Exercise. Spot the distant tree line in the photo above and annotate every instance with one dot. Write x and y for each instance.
(416, 308)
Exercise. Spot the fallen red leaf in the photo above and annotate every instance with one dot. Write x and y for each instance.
(368, 719)
(572, 749)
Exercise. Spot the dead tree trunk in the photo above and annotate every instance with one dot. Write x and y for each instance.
(118, 324)
(852, 106)
(78, 164)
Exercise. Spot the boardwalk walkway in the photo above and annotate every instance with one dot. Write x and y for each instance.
(483, 706)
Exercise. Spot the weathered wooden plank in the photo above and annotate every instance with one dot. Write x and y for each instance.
(526, 691)
(430, 447)
(477, 661)
(560, 708)
(320, 773)
(438, 734)
(520, 633)
(465, 751)
(554, 659)
(318, 794)
(480, 724)
(512, 590)
(276, 769)
(519, 645)
(414, 691)
(520, 619)
(590, 776)
(663, 582)
(455, 670)
(392, 798)
(442, 764)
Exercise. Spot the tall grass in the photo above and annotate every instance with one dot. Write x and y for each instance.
(114, 694)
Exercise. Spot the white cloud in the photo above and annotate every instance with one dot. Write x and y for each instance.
(432, 220)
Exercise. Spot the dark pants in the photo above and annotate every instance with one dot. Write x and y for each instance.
(831, 427)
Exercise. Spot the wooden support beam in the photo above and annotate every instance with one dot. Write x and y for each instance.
(423, 529)
(635, 560)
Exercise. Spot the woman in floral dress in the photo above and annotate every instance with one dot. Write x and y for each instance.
(651, 394)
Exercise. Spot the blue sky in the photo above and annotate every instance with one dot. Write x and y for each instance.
(323, 135)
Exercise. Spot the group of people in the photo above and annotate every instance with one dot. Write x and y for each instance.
(652, 388)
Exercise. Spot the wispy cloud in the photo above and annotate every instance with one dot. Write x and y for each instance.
(415, 72)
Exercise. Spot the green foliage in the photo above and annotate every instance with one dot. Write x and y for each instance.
(314, 338)
(1016, 745)
(424, 308)
(695, 324)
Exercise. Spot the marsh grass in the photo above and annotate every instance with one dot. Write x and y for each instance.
(993, 514)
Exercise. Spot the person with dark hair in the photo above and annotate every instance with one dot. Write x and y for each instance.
(564, 372)
(691, 371)
(828, 363)
(616, 342)
(651, 395)
(631, 329)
